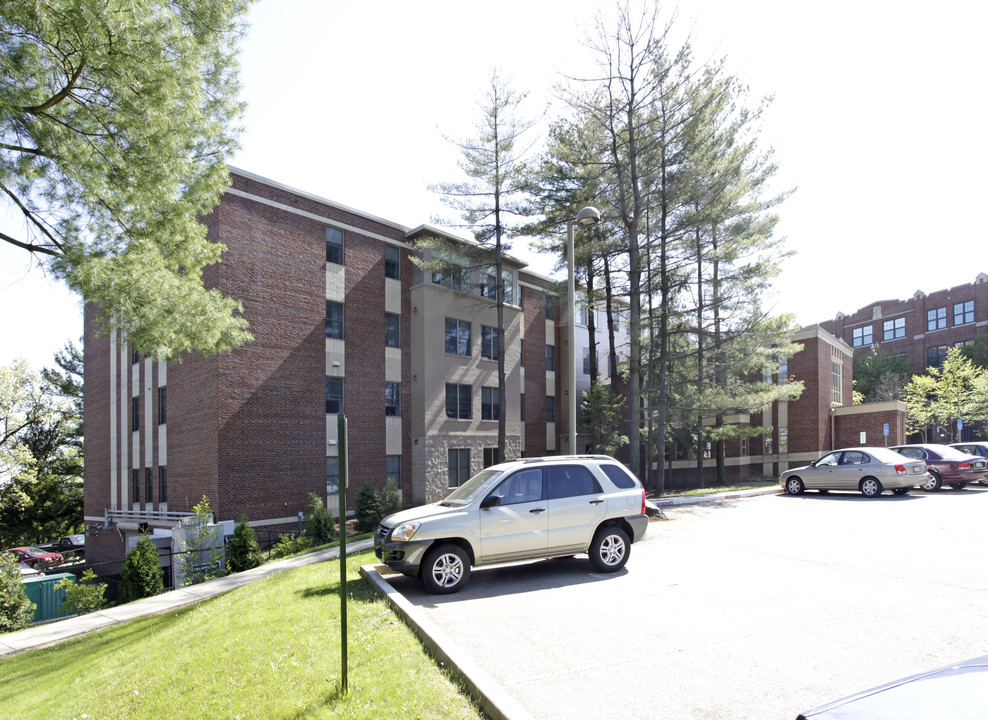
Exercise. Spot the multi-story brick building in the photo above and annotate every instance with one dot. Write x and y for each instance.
(343, 322)
(923, 327)
(822, 418)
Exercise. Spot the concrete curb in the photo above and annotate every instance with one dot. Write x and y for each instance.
(53, 632)
(491, 697)
(714, 497)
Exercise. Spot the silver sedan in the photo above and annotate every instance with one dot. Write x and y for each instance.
(867, 469)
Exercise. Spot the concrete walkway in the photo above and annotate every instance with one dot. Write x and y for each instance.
(41, 635)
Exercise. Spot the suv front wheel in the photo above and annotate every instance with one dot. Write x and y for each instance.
(446, 569)
(610, 549)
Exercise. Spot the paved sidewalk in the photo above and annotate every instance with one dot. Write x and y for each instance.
(41, 635)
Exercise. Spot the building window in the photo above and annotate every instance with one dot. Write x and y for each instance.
(490, 343)
(584, 314)
(936, 319)
(783, 370)
(744, 446)
(135, 481)
(549, 314)
(332, 476)
(334, 320)
(521, 408)
(162, 484)
(334, 395)
(334, 245)
(392, 262)
(586, 361)
(894, 329)
(459, 466)
(508, 286)
(392, 330)
(135, 405)
(453, 277)
(458, 401)
(148, 485)
(488, 286)
(550, 358)
(550, 409)
(457, 337)
(490, 457)
(392, 399)
(490, 404)
(936, 355)
(135, 357)
(835, 380)
(162, 405)
(392, 469)
(964, 313)
(964, 344)
(861, 337)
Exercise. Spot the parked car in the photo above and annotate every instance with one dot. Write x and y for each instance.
(26, 569)
(958, 692)
(867, 469)
(946, 465)
(70, 545)
(33, 556)
(519, 510)
(974, 448)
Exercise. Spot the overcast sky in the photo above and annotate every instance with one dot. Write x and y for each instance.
(876, 121)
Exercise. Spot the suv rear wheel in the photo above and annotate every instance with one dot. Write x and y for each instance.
(610, 549)
(446, 569)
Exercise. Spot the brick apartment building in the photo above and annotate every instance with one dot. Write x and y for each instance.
(821, 419)
(343, 322)
(921, 328)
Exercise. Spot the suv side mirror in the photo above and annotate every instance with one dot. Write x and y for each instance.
(490, 501)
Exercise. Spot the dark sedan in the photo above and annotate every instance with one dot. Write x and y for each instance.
(979, 448)
(946, 465)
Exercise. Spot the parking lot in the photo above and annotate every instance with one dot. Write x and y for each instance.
(755, 608)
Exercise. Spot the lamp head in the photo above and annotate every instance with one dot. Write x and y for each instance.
(588, 216)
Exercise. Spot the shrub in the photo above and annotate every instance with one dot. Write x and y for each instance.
(141, 575)
(83, 596)
(322, 526)
(290, 545)
(204, 553)
(245, 553)
(392, 498)
(369, 511)
(16, 611)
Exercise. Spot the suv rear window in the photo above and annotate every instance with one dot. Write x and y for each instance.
(571, 481)
(619, 476)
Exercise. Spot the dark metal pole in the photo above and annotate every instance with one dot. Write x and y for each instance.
(344, 481)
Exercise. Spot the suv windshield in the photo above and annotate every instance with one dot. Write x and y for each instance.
(463, 494)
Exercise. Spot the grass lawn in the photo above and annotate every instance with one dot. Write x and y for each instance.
(269, 650)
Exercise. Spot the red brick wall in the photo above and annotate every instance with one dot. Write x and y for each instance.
(917, 340)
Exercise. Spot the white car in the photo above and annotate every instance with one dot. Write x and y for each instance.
(869, 470)
(519, 510)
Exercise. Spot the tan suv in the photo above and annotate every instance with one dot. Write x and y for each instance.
(519, 510)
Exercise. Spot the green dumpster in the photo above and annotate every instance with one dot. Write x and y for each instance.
(40, 589)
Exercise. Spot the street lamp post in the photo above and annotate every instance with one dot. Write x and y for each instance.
(586, 216)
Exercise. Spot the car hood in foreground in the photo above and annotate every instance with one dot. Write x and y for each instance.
(419, 514)
(957, 692)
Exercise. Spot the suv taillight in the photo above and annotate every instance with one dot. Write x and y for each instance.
(643, 502)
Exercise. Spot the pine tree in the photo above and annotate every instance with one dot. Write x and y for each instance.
(245, 553)
(16, 610)
(141, 575)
